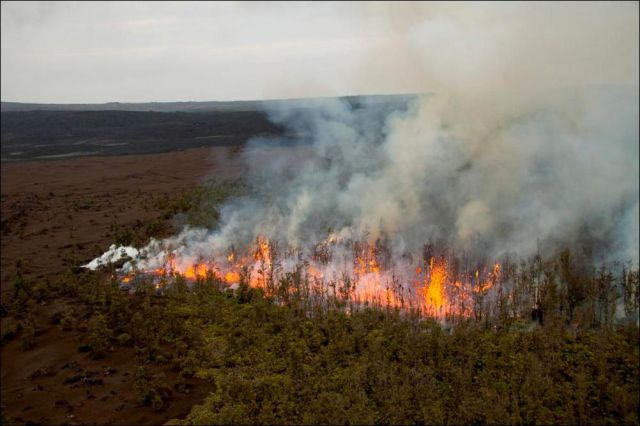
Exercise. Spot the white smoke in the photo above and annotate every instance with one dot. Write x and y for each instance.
(529, 140)
(501, 176)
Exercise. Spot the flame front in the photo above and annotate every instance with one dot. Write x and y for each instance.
(367, 279)
(434, 296)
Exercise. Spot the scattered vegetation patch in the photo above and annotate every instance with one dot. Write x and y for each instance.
(269, 362)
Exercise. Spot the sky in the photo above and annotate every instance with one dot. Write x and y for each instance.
(82, 52)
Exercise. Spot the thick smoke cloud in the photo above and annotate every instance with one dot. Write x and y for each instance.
(513, 174)
(528, 140)
(463, 48)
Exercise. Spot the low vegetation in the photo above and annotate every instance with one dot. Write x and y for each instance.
(269, 362)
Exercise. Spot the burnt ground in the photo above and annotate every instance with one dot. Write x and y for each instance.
(59, 214)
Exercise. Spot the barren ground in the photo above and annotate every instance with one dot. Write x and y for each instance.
(56, 215)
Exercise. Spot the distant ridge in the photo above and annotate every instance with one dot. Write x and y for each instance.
(32, 131)
(189, 106)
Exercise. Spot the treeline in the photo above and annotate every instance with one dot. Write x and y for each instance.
(564, 289)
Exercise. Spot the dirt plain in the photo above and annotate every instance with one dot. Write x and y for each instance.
(57, 214)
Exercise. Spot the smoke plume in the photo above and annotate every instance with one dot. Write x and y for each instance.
(526, 142)
(503, 174)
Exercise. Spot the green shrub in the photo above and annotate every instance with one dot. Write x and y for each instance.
(10, 328)
(27, 338)
(99, 335)
(141, 386)
(124, 339)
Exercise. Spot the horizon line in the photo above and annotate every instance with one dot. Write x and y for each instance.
(220, 101)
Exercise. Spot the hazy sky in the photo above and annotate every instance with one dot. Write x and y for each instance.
(136, 52)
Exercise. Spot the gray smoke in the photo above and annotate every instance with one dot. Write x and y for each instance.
(507, 173)
(528, 140)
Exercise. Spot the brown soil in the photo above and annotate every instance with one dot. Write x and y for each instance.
(54, 383)
(57, 214)
(64, 208)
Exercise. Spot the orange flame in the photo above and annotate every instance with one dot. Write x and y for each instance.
(232, 277)
(434, 296)
(433, 288)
